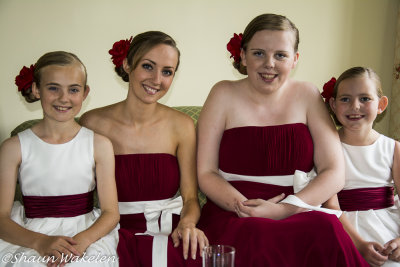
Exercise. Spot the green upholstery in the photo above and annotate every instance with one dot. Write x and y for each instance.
(192, 111)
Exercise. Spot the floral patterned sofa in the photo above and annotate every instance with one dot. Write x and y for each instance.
(192, 111)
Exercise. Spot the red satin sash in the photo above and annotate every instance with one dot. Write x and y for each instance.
(58, 206)
(366, 198)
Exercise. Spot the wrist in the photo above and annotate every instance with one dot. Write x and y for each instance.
(37, 242)
(83, 239)
(186, 223)
(290, 209)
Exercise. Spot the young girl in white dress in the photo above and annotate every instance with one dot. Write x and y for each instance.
(372, 215)
(58, 165)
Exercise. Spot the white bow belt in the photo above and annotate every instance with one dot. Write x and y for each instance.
(298, 180)
(152, 211)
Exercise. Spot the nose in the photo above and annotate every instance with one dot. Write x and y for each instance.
(355, 105)
(269, 62)
(157, 77)
(63, 96)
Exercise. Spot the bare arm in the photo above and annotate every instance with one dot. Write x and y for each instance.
(396, 166)
(211, 126)
(107, 192)
(328, 154)
(392, 248)
(190, 214)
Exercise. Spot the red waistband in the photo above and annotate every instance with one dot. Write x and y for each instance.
(58, 206)
(366, 198)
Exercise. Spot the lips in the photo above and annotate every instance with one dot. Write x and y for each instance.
(267, 76)
(62, 109)
(150, 90)
(354, 116)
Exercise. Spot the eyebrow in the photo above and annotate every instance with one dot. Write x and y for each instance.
(154, 63)
(57, 84)
(279, 51)
(355, 95)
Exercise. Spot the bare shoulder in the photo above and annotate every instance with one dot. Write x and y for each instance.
(224, 89)
(397, 151)
(222, 95)
(307, 96)
(102, 143)
(178, 120)
(10, 149)
(305, 89)
(92, 118)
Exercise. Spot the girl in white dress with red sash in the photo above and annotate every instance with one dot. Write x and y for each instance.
(372, 216)
(58, 164)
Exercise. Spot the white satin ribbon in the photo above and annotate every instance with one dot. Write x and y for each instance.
(293, 200)
(298, 180)
(152, 211)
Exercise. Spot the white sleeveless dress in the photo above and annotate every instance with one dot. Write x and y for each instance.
(367, 167)
(58, 170)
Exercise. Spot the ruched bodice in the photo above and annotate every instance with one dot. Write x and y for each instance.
(266, 150)
(142, 177)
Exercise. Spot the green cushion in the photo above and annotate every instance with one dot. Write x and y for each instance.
(192, 111)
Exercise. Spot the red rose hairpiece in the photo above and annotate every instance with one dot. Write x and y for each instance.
(327, 91)
(119, 51)
(234, 46)
(24, 79)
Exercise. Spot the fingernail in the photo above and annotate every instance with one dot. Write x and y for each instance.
(194, 256)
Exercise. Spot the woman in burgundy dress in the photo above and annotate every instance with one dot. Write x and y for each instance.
(268, 143)
(154, 149)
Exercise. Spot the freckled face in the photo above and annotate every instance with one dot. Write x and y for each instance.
(269, 59)
(61, 91)
(153, 76)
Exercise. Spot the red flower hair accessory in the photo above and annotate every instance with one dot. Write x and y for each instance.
(25, 79)
(327, 91)
(234, 46)
(119, 51)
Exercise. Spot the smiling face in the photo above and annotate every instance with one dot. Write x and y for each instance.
(357, 103)
(154, 73)
(61, 91)
(269, 58)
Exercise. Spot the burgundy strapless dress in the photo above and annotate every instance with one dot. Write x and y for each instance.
(306, 239)
(146, 177)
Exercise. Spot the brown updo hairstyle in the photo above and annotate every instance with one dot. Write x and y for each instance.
(59, 58)
(354, 73)
(140, 45)
(271, 22)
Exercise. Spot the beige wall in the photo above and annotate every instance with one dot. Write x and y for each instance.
(334, 35)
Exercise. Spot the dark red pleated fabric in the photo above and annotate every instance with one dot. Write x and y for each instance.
(305, 239)
(366, 198)
(145, 177)
(58, 206)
